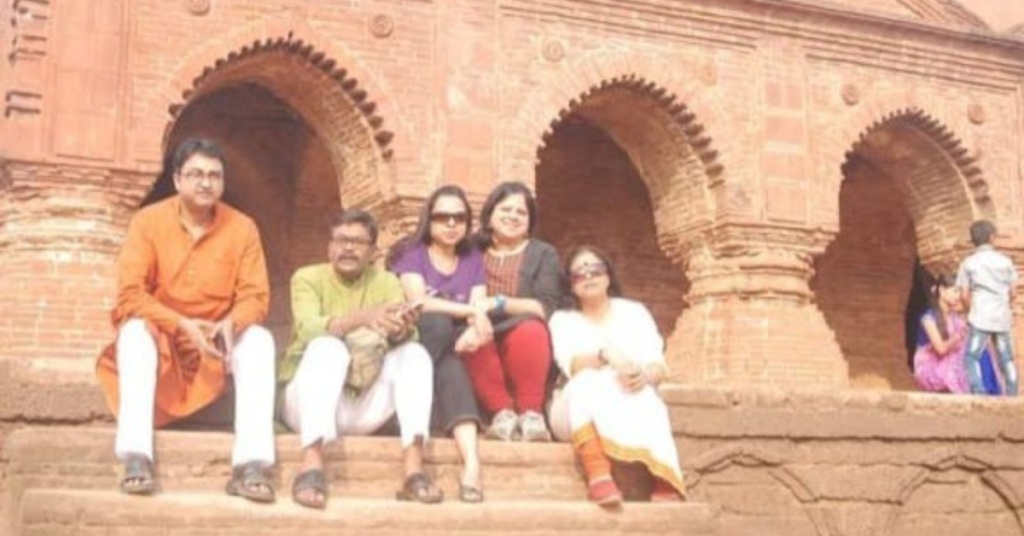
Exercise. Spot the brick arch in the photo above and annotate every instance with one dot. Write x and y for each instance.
(954, 178)
(949, 459)
(321, 81)
(662, 120)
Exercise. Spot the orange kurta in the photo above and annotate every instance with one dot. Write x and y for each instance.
(164, 275)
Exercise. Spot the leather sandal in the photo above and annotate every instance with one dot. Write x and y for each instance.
(250, 481)
(310, 480)
(138, 475)
(419, 487)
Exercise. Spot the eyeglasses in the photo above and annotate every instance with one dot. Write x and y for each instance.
(353, 242)
(587, 271)
(449, 218)
(197, 175)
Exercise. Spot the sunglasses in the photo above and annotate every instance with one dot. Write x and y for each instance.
(450, 218)
(587, 271)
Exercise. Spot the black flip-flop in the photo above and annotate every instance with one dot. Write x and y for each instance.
(250, 480)
(419, 487)
(312, 479)
(470, 494)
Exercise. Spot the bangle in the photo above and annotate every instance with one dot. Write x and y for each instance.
(499, 303)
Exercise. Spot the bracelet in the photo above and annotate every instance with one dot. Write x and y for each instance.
(601, 357)
(499, 303)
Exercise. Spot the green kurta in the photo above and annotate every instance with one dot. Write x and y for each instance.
(318, 294)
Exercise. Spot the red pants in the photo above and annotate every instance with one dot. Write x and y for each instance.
(517, 361)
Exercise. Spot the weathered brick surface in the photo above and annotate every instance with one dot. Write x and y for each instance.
(770, 461)
(764, 173)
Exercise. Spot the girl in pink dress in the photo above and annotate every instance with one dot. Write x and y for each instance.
(939, 359)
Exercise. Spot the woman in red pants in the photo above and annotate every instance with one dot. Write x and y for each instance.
(510, 371)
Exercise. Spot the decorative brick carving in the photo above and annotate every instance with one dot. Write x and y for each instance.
(961, 156)
(381, 26)
(693, 130)
(553, 51)
(197, 7)
(299, 50)
(976, 113)
(850, 93)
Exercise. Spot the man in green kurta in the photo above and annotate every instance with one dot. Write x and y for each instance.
(332, 303)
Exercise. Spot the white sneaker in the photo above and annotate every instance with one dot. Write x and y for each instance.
(533, 428)
(503, 426)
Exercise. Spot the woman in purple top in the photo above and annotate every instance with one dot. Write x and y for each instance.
(439, 266)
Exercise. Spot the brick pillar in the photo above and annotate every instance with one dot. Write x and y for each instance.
(62, 228)
(751, 318)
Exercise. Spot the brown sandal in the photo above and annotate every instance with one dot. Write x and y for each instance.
(420, 488)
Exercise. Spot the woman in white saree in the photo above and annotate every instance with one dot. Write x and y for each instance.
(610, 349)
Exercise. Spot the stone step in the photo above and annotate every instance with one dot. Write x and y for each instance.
(53, 512)
(368, 467)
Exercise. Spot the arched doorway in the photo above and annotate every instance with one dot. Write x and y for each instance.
(591, 193)
(903, 204)
(622, 169)
(301, 137)
(278, 173)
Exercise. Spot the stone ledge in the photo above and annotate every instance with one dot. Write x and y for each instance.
(83, 458)
(85, 512)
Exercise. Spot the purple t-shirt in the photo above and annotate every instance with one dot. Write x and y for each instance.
(455, 286)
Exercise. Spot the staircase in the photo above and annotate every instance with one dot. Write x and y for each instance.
(63, 481)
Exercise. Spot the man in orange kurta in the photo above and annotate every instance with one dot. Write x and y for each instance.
(192, 289)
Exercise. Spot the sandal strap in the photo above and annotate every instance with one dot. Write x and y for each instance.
(420, 487)
(251, 473)
(137, 466)
(313, 479)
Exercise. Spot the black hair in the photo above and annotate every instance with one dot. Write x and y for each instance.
(499, 194)
(934, 299)
(614, 288)
(361, 217)
(981, 232)
(422, 233)
(193, 146)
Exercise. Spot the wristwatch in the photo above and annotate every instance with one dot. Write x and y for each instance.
(601, 357)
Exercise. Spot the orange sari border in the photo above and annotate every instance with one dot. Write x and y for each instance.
(630, 455)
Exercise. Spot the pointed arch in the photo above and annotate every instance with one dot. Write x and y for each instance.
(321, 81)
(663, 120)
(954, 168)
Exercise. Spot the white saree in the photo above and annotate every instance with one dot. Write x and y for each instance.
(632, 427)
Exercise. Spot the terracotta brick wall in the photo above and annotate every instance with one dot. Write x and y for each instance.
(736, 119)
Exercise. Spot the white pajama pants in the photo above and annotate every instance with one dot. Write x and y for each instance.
(251, 365)
(316, 407)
